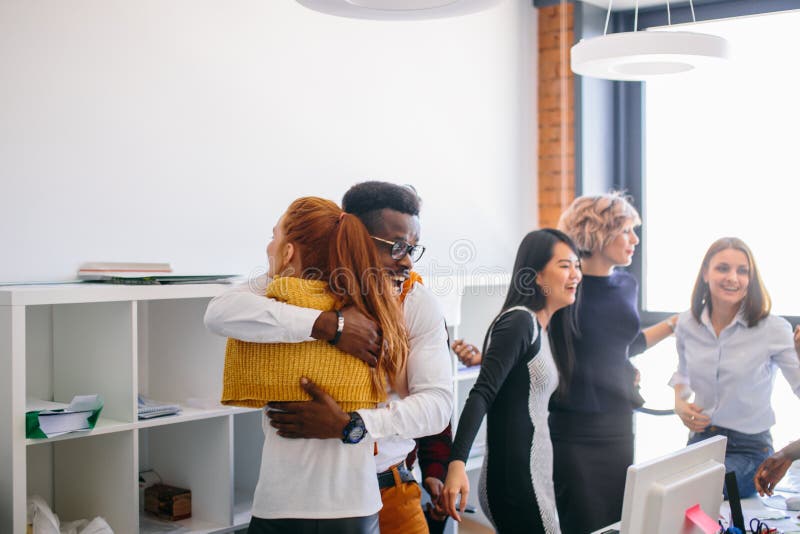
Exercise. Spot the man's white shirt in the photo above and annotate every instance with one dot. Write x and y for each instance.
(244, 313)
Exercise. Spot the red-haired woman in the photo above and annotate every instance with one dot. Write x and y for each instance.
(729, 347)
(322, 258)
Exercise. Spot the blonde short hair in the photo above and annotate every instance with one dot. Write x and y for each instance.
(594, 221)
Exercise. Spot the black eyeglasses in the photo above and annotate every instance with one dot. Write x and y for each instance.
(400, 248)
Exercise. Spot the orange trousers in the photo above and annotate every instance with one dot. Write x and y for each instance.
(402, 510)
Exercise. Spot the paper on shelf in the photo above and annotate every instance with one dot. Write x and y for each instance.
(149, 408)
(82, 403)
(47, 419)
(141, 278)
(44, 521)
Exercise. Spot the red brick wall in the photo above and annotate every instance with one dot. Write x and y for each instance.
(556, 112)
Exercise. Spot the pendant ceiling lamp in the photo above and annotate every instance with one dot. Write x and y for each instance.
(398, 9)
(644, 55)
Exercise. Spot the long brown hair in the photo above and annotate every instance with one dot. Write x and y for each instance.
(335, 246)
(757, 303)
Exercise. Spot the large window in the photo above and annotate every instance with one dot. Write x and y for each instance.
(721, 159)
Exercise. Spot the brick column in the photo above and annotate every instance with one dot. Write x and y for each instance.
(556, 112)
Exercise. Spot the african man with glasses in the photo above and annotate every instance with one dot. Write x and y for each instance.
(422, 407)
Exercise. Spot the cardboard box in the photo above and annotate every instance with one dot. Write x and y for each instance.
(168, 502)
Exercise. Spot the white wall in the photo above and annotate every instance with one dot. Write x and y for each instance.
(179, 130)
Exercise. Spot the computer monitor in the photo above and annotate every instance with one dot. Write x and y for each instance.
(658, 492)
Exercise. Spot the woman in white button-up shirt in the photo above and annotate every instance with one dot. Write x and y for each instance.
(729, 347)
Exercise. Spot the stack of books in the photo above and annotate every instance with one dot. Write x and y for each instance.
(119, 271)
(135, 273)
(46, 419)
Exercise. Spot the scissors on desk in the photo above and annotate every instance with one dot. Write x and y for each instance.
(759, 527)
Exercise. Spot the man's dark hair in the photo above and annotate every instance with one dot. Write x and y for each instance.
(365, 200)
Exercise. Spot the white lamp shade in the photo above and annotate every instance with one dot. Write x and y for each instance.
(645, 54)
(398, 9)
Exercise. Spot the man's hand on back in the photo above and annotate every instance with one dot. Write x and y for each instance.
(361, 336)
(319, 418)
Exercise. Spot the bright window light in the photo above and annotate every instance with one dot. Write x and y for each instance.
(721, 159)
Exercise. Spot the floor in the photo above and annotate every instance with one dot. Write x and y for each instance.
(471, 527)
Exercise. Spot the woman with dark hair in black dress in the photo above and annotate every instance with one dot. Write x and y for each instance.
(526, 351)
(591, 423)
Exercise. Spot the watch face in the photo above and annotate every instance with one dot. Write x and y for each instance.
(356, 434)
(355, 430)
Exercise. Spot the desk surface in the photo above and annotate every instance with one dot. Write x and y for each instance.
(752, 507)
(784, 520)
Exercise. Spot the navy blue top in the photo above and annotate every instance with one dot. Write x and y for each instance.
(608, 320)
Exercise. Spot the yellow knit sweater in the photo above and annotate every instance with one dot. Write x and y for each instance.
(257, 373)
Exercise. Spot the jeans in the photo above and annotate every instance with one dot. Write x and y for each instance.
(743, 455)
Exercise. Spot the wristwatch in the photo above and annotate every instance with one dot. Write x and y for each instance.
(355, 430)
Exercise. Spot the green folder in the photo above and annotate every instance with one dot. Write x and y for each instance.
(45, 419)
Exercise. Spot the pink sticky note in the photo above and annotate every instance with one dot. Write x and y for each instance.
(696, 515)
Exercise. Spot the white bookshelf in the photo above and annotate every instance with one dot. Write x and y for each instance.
(62, 340)
(119, 341)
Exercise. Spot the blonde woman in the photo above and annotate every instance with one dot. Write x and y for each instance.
(592, 425)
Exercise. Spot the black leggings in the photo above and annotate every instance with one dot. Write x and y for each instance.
(344, 525)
